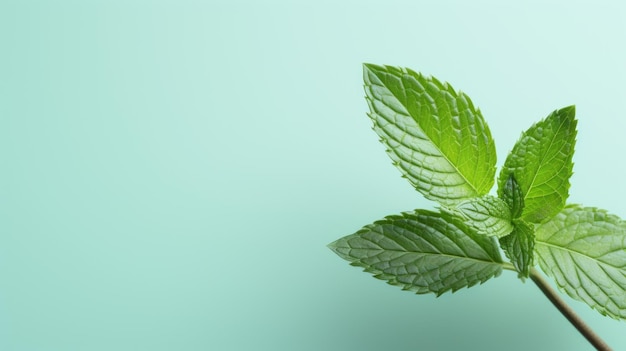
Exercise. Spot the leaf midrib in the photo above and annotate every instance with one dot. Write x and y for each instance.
(540, 242)
(472, 186)
(434, 254)
(602, 265)
(543, 157)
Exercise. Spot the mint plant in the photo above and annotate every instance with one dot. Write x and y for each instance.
(442, 145)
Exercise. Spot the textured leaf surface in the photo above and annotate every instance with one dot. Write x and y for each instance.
(485, 215)
(434, 135)
(513, 196)
(518, 247)
(541, 162)
(584, 250)
(422, 252)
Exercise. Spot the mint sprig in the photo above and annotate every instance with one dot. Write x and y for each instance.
(440, 142)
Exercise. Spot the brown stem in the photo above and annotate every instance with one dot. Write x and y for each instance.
(567, 311)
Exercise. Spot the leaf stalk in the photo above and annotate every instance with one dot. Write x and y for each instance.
(568, 312)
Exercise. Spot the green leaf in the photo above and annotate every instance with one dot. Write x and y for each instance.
(513, 196)
(584, 250)
(485, 215)
(422, 252)
(518, 247)
(541, 163)
(434, 135)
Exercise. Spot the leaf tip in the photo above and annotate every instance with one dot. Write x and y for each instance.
(568, 114)
(370, 67)
(570, 110)
(341, 249)
(334, 245)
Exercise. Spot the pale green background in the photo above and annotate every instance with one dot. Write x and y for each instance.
(171, 171)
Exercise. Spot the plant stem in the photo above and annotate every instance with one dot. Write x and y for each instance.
(568, 312)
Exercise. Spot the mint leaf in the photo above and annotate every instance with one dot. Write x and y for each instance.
(584, 250)
(434, 135)
(518, 247)
(422, 252)
(485, 215)
(541, 163)
(513, 196)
